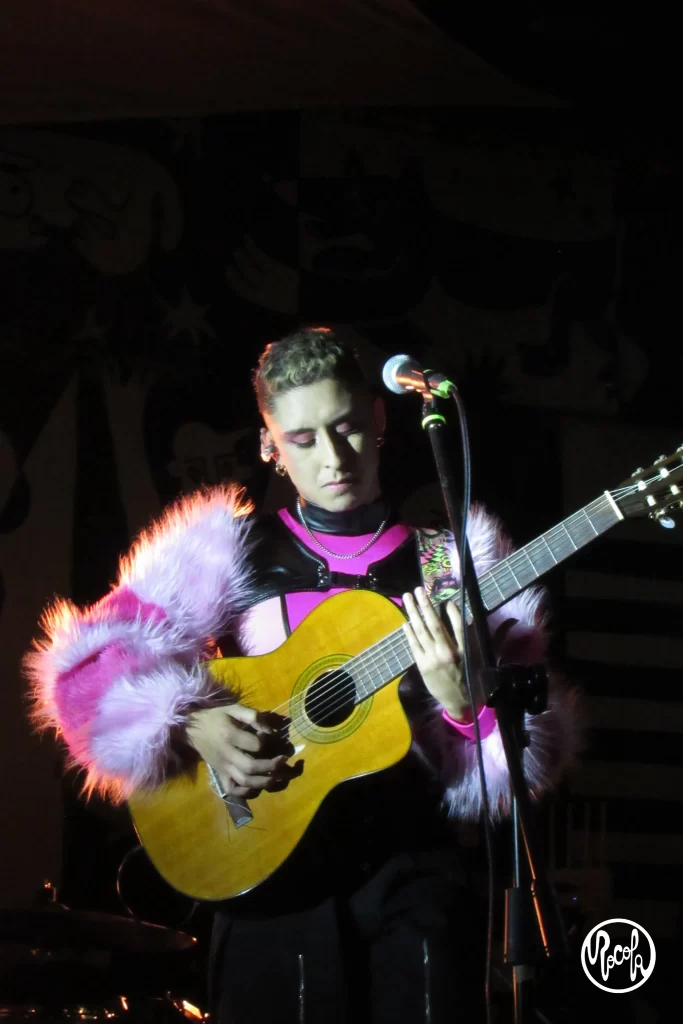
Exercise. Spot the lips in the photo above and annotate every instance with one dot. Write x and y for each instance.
(340, 485)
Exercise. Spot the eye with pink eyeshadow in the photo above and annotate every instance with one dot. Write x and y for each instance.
(347, 428)
(304, 439)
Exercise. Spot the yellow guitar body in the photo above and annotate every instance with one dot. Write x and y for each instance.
(185, 826)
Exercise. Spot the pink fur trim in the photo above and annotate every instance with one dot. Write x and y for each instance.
(554, 742)
(192, 562)
(180, 587)
(125, 605)
(75, 639)
(127, 744)
(261, 629)
(554, 735)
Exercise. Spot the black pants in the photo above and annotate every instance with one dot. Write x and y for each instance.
(407, 946)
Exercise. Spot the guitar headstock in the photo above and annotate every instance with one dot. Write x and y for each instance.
(656, 492)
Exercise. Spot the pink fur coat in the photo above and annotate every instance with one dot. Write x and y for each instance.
(118, 679)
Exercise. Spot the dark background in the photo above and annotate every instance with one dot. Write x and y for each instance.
(533, 253)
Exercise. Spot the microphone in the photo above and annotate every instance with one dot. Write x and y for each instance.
(402, 374)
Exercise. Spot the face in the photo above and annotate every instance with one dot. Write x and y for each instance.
(326, 437)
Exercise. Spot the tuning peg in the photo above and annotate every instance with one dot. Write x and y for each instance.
(660, 516)
(637, 471)
(680, 448)
(660, 459)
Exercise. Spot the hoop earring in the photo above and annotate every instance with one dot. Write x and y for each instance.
(280, 469)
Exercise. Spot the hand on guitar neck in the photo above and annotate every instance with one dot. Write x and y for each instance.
(437, 652)
(235, 740)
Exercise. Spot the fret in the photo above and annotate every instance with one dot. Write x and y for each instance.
(492, 576)
(570, 537)
(380, 664)
(506, 591)
(525, 552)
(392, 656)
(356, 674)
(379, 650)
(549, 549)
(392, 662)
(514, 575)
(605, 513)
(590, 522)
(403, 656)
(521, 576)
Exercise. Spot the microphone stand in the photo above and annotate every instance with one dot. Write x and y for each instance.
(511, 690)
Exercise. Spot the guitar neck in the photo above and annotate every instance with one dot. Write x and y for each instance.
(526, 565)
(391, 657)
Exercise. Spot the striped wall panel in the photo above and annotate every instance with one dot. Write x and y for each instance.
(619, 614)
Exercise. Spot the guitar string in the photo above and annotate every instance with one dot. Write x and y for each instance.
(372, 655)
(488, 586)
(398, 634)
(379, 650)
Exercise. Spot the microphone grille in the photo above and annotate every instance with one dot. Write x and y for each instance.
(389, 373)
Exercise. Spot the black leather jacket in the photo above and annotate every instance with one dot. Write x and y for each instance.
(282, 564)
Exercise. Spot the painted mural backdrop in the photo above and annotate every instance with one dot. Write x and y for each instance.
(142, 267)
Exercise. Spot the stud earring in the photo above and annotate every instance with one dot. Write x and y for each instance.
(280, 469)
(380, 440)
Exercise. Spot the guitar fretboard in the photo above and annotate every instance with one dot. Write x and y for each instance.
(391, 657)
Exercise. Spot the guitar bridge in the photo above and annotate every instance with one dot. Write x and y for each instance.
(237, 806)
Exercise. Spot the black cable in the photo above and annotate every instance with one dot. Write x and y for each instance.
(488, 832)
(119, 872)
(129, 911)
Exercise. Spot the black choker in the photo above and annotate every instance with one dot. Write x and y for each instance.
(350, 522)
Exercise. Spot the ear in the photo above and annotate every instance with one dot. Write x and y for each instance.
(268, 449)
(380, 416)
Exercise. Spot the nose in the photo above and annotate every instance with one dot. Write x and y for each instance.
(331, 450)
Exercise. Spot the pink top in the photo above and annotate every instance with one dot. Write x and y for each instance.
(486, 719)
(299, 605)
(252, 633)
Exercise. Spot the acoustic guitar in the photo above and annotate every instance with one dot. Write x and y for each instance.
(334, 682)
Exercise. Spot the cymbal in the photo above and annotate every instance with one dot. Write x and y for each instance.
(56, 926)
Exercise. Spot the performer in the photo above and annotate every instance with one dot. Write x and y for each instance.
(373, 917)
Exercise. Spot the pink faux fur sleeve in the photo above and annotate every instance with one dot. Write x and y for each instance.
(118, 679)
(554, 735)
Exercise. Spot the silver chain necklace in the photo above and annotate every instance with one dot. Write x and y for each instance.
(334, 553)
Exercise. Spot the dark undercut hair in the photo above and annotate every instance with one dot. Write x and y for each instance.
(305, 357)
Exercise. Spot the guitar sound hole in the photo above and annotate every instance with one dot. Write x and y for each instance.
(330, 700)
